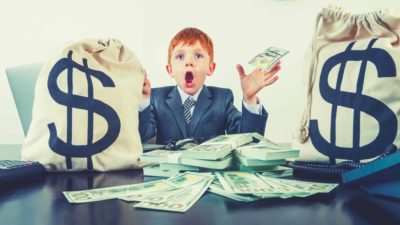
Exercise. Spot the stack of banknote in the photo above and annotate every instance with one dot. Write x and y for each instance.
(267, 59)
(263, 154)
(214, 154)
(242, 152)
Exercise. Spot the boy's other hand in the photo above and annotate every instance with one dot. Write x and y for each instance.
(146, 87)
(255, 81)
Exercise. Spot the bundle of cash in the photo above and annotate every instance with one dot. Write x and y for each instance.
(208, 152)
(257, 162)
(218, 147)
(157, 171)
(262, 154)
(267, 59)
(218, 164)
(215, 153)
(264, 151)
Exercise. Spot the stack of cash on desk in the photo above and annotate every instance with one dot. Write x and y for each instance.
(243, 152)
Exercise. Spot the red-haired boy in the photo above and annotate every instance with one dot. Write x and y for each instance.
(191, 109)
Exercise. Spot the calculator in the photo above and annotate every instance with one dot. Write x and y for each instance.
(13, 171)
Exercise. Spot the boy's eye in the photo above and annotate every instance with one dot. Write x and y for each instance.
(198, 56)
(179, 57)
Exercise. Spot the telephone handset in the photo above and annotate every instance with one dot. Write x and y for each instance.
(331, 172)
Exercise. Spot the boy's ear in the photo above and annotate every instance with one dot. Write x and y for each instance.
(169, 70)
(211, 69)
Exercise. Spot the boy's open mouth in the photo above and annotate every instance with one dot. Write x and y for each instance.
(189, 78)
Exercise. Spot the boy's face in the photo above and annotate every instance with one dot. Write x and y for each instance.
(190, 65)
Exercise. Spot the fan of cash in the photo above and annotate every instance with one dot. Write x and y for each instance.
(179, 192)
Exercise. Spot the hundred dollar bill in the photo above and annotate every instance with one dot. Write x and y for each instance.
(152, 197)
(182, 201)
(311, 187)
(267, 59)
(216, 188)
(304, 188)
(208, 152)
(244, 183)
(188, 178)
(99, 194)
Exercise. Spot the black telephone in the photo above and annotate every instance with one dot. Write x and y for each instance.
(331, 171)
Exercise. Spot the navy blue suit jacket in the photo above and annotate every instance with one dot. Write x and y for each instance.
(214, 114)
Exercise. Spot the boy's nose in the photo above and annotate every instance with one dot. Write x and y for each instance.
(189, 61)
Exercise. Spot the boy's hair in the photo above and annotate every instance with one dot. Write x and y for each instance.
(189, 36)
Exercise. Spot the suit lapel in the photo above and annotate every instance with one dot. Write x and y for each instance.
(203, 103)
(174, 103)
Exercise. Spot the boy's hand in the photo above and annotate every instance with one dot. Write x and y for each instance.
(252, 83)
(146, 91)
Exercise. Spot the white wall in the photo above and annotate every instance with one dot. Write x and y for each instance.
(31, 30)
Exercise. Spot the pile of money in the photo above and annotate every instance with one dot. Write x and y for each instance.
(245, 186)
(243, 152)
(177, 193)
(214, 154)
(266, 60)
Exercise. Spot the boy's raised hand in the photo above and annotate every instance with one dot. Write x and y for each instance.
(146, 87)
(252, 83)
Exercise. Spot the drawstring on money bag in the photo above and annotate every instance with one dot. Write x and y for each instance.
(302, 132)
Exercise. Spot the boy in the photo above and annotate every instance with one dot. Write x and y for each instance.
(192, 109)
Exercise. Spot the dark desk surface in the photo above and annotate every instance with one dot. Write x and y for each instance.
(41, 202)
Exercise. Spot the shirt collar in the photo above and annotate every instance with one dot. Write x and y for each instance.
(184, 95)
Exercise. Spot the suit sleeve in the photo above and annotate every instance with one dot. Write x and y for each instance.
(245, 122)
(147, 123)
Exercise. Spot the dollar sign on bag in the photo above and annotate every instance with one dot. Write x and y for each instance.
(88, 103)
(385, 117)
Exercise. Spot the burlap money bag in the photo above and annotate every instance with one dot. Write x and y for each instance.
(85, 110)
(352, 86)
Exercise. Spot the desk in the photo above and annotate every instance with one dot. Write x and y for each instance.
(41, 202)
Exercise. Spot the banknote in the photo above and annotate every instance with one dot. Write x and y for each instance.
(99, 194)
(186, 179)
(267, 59)
(298, 188)
(208, 152)
(153, 197)
(216, 188)
(307, 186)
(243, 183)
(182, 201)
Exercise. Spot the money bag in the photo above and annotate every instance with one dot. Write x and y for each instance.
(352, 82)
(85, 110)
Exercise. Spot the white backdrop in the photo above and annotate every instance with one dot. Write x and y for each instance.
(31, 30)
